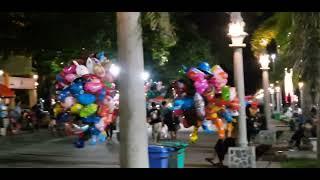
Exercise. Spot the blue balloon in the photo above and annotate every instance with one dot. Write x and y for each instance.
(102, 137)
(86, 99)
(59, 78)
(78, 80)
(188, 103)
(178, 104)
(91, 119)
(205, 67)
(63, 117)
(79, 143)
(102, 94)
(101, 56)
(93, 140)
(76, 88)
(227, 116)
(94, 131)
(63, 94)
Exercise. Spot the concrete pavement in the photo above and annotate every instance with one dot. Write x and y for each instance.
(43, 150)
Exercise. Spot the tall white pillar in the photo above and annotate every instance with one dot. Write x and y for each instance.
(272, 101)
(237, 34)
(134, 137)
(267, 111)
(239, 81)
(278, 100)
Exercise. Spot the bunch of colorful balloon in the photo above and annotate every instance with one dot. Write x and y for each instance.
(202, 94)
(86, 96)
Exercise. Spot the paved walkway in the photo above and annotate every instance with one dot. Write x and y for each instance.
(43, 150)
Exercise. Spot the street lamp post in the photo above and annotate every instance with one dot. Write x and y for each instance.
(300, 84)
(273, 103)
(278, 98)
(273, 57)
(264, 62)
(237, 35)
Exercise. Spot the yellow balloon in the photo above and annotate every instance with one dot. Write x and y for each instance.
(194, 136)
(57, 110)
(75, 109)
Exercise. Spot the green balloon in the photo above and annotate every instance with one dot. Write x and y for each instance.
(109, 85)
(226, 93)
(88, 110)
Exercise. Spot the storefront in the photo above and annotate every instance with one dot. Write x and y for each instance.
(23, 88)
(6, 99)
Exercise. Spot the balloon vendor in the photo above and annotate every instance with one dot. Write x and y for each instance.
(86, 92)
(202, 95)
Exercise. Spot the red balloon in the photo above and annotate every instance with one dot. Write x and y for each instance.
(103, 110)
(93, 87)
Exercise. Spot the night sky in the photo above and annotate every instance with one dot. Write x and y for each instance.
(214, 25)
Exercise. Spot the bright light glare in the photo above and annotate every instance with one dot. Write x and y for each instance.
(1, 72)
(236, 29)
(145, 76)
(300, 84)
(35, 76)
(114, 70)
(264, 61)
(273, 56)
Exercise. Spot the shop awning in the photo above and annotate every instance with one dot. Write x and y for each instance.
(5, 91)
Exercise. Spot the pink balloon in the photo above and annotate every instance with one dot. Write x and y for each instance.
(70, 77)
(93, 87)
(108, 78)
(70, 70)
(68, 102)
(201, 86)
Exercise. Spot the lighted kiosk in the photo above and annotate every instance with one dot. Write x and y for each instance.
(6, 98)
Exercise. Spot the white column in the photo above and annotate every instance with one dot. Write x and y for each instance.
(278, 101)
(267, 112)
(280, 94)
(301, 99)
(272, 101)
(133, 138)
(239, 81)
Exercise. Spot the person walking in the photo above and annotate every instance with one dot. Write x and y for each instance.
(154, 119)
(222, 145)
(170, 120)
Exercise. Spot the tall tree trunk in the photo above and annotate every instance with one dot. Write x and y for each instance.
(133, 127)
(318, 130)
(308, 100)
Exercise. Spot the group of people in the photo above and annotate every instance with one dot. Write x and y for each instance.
(158, 117)
(22, 119)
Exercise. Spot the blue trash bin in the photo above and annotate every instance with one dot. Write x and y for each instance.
(159, 156)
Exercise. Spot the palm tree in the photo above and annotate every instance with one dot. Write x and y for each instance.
(298, 35)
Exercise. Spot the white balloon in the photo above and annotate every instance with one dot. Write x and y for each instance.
(81, 69)
(90, 63)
